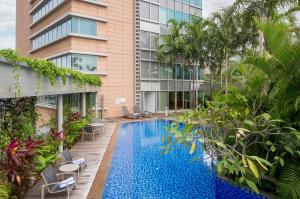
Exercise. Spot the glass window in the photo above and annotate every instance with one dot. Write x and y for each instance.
(163, 15)
(163, 29)
(171, 4)
(171, 71)
(88, 27)
(187, 73)
(171, 14)
(179, 72)
(145, 10)
(178, 6)
(186, 8)
(154, 56)
(145, 54)
(74, 24)
(154, 70)
(145, 39)
(164, 100)
(163, 2)
(84, 62)
(59, 31)
(64, 29)
(154, 12)
(145, 69)
(69, 26)
(46, 7)
(154, 41)
(179, 100)
(187, 100)
(172, 100)
(178, 16)
(163, 71)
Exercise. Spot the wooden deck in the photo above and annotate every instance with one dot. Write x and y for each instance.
(93, 152)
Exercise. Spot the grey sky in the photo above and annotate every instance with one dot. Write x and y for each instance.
(7, 18)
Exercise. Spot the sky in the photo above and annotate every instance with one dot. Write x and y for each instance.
(7, 18)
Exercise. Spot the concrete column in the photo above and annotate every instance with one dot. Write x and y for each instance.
(83, 104)
(60, 117)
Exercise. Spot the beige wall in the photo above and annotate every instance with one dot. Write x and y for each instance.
(119, 30)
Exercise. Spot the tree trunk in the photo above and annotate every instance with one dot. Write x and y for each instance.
(211, 83)
(194, 90)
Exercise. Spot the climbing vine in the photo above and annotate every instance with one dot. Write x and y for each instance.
(50, 70)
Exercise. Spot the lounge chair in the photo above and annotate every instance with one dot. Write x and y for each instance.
(90, 131)
(67, 159)
(145, 114)
(130, 115)
(53, 185)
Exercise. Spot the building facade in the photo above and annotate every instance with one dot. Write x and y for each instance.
(115, 40)
(161, 86)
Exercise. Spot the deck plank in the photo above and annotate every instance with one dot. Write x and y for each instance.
(93, 152)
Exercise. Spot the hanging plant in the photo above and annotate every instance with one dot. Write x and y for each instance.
(50, 70)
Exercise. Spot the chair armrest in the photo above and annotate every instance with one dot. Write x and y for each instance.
(54, 183)
(68, 173)
(66, 162)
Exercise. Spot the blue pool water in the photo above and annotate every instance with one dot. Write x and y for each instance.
(139, 170)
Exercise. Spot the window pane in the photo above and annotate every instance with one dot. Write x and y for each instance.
(163, 71)
(179, 72)
(163, 15)
(187, 100)
(145, 54)
(145, 39)
(154, 38)
(164, 100)
(163, 2)
(145, 10)
(154, 12)
(145, 69)
(74, 24)
(171, 4)
(172, 100)
(154, 70)
(179, 100)
(171, 14)
(178, 16)
(88, 27)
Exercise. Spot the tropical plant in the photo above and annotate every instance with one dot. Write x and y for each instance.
(18, 163)
(5, 187)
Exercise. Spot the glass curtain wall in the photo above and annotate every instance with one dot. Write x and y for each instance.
(175, 80)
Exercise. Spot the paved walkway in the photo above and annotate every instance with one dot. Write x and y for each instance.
(93, 152)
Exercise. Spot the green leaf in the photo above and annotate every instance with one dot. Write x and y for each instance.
(288, 149)
(252, 185)
(249, 123)
(253, 168)
(269, 142)
(192, 150)
(220, 167)
(281, 162)
(220, 144)
(273, 148)
(262, 160)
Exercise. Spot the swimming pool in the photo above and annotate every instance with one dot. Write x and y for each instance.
(139, 170)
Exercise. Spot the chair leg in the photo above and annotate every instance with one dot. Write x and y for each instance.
(43, 193)
(69, 193)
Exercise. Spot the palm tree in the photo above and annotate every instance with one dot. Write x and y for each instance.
(280, 68)
(265, 10)
(171, 45)
(194, 49)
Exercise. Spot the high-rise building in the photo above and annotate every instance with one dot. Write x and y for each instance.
(115, 39)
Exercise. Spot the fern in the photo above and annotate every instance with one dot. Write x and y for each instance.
(289, 186)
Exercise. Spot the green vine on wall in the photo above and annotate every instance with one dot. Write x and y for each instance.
(50, 70)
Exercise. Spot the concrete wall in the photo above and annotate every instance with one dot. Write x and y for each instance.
(29, 83)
